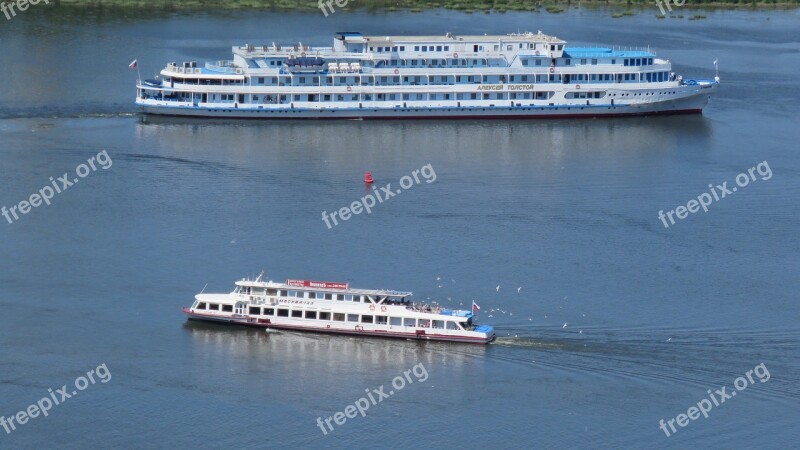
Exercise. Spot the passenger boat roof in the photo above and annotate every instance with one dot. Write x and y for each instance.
(538, 37)
(345, 290)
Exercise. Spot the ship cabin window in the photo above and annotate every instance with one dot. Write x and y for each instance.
(538, 62)
(410, 322)
(367, 319)
(352, 317)
(438, 48)
(255, 311)
(201, 305)
(260, 80)
(324, 316)
(566, 62)
(416, 48)
(269, 312)
(283, 293)
(402, 48)
(348, 297)
(319, 295)
(424, 48)
(447, 48)
(381, 320)
(227, 308)
(396, 321)
(297, 313)
(311, 314)
(583, 60)
(509, 47)
(283, 313)
(438, 324)
(272, 292)
(424, 323)
(213, 306)
(452, 325)
(394, 49)
(357, 298)
(338, 317)
(328, 296)
(340, 297)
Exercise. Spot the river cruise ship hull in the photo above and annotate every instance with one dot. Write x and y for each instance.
(523, 75)
(327, 307)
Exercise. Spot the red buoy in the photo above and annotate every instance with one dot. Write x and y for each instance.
(368, 177)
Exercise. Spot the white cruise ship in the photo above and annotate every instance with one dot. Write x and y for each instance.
(336, 308)
(525, 75)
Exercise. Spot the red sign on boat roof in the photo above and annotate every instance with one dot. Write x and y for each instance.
(318, 284)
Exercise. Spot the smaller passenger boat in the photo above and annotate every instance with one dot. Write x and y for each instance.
(334, 307)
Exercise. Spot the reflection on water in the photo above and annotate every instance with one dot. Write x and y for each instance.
(255, 345)
(333, 141)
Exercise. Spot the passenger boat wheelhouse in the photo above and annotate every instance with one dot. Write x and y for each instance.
(517, 75)
(336, 308)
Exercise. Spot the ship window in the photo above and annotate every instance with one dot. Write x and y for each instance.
(311, 314)
(255, 311)
(283, 313)
(524, 62)
(320, 295)
(324, 316)
(272, 291)
(201, 305)
(452, 325)
(227, 308)
(402, 48)
(447, 48)
(438, 324)
(410, 322)
(297, 313)
(424, 323)
(367, 319)
(381, 320)
(213, 306)
(352, 317)
(269, 312)
(424, 48)
(283, 293)
(328, 296)
(338, 317)
(594, 61)
(348, 297)
(357, 298)
(538, 62)
(416, 48)
(395, 321)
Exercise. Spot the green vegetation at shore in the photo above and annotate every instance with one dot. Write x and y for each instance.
(552, 6)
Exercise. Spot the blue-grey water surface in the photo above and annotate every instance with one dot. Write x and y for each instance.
(608, 322)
